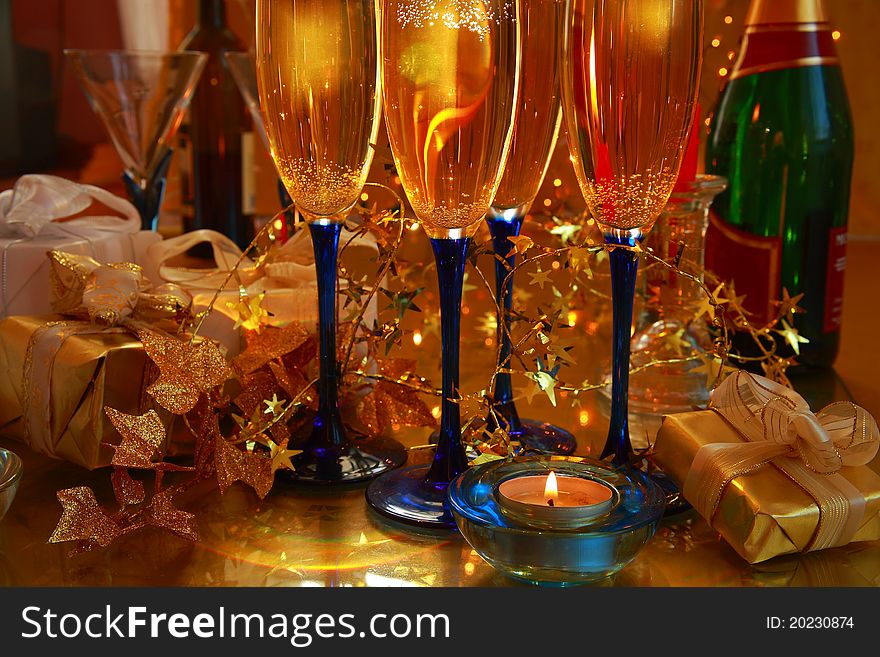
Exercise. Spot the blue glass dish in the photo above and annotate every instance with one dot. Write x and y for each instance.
(563, 557)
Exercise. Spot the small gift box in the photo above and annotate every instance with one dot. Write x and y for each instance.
(285, 281)
(56, 376)
(37, 215)
(59, 372)
(770, 476)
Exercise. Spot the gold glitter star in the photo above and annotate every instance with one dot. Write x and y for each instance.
(713, 367)
(521, 244)
(566, 232)
(545, 381)
(539, 278)
(792, 337)
(579, 260)
(281, 455)
(788, 305)
(251, 314)
(273, 406)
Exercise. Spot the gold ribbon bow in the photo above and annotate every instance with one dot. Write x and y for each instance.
(110, 294)
(810, 449)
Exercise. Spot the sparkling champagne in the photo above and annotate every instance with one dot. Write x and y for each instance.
(782, 134)
(320, 94)
(450, 87)
(633, 75)
(537, 123)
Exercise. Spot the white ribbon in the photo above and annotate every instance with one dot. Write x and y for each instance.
(292, 263)
(36, 203)
(809, 448)
(38, 206)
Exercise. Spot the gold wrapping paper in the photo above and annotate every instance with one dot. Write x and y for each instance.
(762, 514)
(91, 370)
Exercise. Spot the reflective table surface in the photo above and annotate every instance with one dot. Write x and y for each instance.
(306, 536)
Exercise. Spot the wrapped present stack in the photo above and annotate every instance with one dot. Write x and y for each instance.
(79, 285)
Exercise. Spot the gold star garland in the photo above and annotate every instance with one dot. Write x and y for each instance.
(268, 391)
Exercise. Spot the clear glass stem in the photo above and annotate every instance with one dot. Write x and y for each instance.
(146, 196)
(449, 458)
(328, 438)
(624, 266)
(503, 226)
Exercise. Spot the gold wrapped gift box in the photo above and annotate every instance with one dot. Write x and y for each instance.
(92, 368)
(762, 514)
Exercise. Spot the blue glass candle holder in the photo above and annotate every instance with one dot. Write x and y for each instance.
(532, 435)
(556, 556)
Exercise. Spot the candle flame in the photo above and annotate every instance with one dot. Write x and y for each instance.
(551, 492)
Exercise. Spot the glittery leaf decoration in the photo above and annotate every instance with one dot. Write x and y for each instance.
(269, 344)
(233, 465)
(162, 513)
(128, 491)
(186, 371)
(391, 404)
(142, 436)
(83, 520)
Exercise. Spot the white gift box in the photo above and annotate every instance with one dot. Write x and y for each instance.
(288, 280)
(34, 220)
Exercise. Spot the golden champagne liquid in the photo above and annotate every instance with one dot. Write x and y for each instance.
(538, 118)
(317, 71)
(629, 89)
(450, 73)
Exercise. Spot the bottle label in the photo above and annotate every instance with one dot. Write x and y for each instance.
(777, 47)
(752, 262)
(834, 279)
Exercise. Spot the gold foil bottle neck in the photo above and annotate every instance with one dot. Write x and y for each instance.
(775, 12)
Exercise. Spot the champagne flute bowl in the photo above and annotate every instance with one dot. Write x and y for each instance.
(140, 97)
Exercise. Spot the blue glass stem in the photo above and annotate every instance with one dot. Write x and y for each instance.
(328, 438)
(449, 458)
(502, 227)
(147, 197)
(624, 266)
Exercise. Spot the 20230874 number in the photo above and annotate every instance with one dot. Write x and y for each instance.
(810, 623)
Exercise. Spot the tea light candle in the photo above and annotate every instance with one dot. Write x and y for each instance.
(552, 501)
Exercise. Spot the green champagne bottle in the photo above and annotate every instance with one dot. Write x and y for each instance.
(782, 135)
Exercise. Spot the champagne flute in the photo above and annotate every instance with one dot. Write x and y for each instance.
(631, 74)
(141, 97)
(534, 138)
(319, 85)
(450, 81)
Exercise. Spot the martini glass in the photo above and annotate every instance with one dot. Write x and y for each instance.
(450, 82)
(141, 97)
(319, 88)
(243, 67)
(631, 74)
(534, 138)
